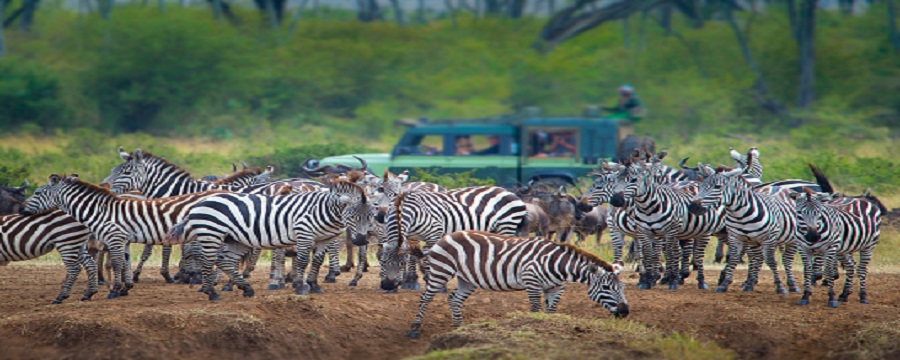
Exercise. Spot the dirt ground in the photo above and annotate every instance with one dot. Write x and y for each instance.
(159, 320)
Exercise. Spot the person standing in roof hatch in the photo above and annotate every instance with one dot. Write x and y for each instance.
(629, 106)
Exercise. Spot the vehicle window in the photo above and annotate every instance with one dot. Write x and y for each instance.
(486, 144)
(463, 145)
(544, 143)
(423, 145)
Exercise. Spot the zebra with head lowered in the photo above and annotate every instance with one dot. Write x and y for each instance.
(481, 260)
(240, 222)
(26, 237)
(428, 216)
(115, 221)
(837, 227)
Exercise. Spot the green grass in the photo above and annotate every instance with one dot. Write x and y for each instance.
(556, 336)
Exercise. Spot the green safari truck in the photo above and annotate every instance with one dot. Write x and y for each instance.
(511, 150)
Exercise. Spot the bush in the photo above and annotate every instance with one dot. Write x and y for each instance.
(28, 94)
(450, 181)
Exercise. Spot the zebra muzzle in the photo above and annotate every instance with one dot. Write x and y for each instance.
(617, 200)
(621, 311)
(696, 208)
(813, 237)
(360, 240)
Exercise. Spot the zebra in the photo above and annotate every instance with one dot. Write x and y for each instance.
(430, 215)
(481, 260)
(244, 221)
(758, 221)
(113, 220)
(26, 237)
(837, 227)
(661, 211)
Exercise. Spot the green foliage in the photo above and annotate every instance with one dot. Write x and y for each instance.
(288, 161)
(28, 95)
(450, 181)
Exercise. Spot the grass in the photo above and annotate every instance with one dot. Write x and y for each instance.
(874, 341)
(556, 336)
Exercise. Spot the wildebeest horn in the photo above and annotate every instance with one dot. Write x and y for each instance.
(244, 165)
(233, 168)
(365, 165)
(683, 166)
(23, 187)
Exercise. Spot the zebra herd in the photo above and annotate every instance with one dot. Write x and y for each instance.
(478, 235)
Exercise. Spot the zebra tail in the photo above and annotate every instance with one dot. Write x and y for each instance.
(821, 179)
(176, 234)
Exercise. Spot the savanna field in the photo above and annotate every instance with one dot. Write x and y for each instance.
(74, 88)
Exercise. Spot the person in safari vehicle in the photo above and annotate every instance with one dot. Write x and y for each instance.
(629, 106)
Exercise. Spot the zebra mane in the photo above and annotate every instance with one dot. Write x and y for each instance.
(723, 168)
(149, 156)
(587, 256)
(872, 199)
(355, 175)
(359, 189)
(398, 217)
(238, 175)
(821, 179)
(92, 189)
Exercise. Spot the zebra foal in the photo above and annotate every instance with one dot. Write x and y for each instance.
(481, 260)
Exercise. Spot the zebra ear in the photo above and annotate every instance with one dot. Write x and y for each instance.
(138, 155)
(617, 267)
(403, 176)
(734, 172)
(123, 154)
(53, 180)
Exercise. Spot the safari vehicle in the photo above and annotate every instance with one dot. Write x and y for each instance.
(511, 150)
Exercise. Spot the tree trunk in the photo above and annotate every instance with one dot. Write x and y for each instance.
(516, 8)
(161, 4)
(806, 93)
(847, 6)
(892, 23)
(760, 89)
(271, 14)
(666, 18)
(398, 12)
(368, 10)
(29, 7)
(492, 7)
(2, 41)
(451, 11)
(420, 12)
(792, 19)
(551, 7)
(105, 8)
(296, 17)
(571, 21)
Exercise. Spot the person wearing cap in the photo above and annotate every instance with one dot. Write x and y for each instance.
(629, 106)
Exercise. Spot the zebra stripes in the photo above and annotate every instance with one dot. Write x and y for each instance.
(480, 260)
(428, 216)
(247, 221)
(757, 221)
(113, 220)
(26, 237)
(837, 228)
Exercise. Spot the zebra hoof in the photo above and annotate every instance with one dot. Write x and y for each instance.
(249, 293)
(275, 286)
(346, 268)
(168, 279)
(795, 289)
(703, 286)
(864, 301)
(352, 283)
(101, 282)
(748, 288)
(214, 297)
(803, 302)
(644, 286)
(124, 292)
(842, 299)
(721, 289)
(410, 285)
(330, 279)
(781, 291)
(673, 286)
(136, 277)
(833, 304)
(112, 295)
(393, 291)
(271, 276)
(302, 290)
(227, 288)
(56, 301)
(413, 334)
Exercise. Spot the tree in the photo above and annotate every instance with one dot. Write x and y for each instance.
(2, 43)
(398, 12)
(273, 10)
(892, 24)
(807, 35)
(368, 10)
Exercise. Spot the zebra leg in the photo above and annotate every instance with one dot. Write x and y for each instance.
(818, 264)
(209, 253)
(348, 245)
(148, 250)
(551, 298)
(99, 258)
(117, 255)
(164, 269)
(720, 249)
(830, 270)
(673, 256)
(647, 279)
(229, 260)
(727, 274)
(865, 255)
(362, 251)
(807, 256)
(432, 287)
(302, 259)
(318, 258)
(411, 277)
(699, 252)
(90, 267)
(787, 260)
(277, 270)
(70, 258)
(849, 273)
(252, 260)
(334, 260)
(456, 299)
(756, 258)
(769, 257)
(687, 249)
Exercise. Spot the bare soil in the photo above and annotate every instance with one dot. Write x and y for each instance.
(159, 320)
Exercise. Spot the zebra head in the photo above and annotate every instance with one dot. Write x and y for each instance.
(45, 197)
(392, 185)
(637, 181)
(717, 189)
(355, 209)
(605, 288)
(605, 185)
(810, 206)
(395, 231)
(129, 175)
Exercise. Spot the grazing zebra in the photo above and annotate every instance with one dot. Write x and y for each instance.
(26, 237)
(430, 215)
(113, 220)
(480, 260)
(756, 221)
(244, 221)
(838, 227)
(661, 212)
